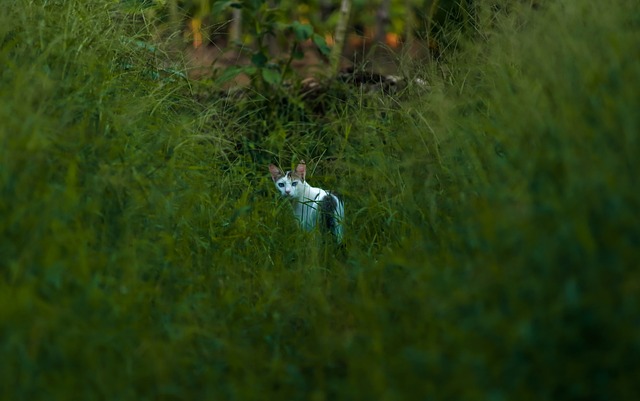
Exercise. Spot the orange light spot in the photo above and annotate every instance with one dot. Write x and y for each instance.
(329, 39)
(392, 39)
(196, 30)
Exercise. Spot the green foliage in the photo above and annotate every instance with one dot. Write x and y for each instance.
(266, 25)
(491, 220)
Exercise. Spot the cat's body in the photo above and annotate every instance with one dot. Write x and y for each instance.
(311, 206)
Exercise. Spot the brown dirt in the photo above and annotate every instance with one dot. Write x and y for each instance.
(210, 60)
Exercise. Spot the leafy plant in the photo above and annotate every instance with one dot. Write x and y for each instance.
(266, 29)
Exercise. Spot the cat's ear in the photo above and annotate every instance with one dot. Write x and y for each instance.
(276, 173)
(301, 170)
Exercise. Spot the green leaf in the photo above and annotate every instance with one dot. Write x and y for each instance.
(145, 45)
(229, 74)
(302, 31)
(271, 76)
(250, 70)
(259, 59)
(319, 41)
(297, 53)
(220, 6)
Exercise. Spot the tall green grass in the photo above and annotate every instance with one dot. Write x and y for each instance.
(491, 228)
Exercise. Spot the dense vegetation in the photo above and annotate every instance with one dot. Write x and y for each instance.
(492, 220)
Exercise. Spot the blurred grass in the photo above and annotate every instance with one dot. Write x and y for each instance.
(491, 222)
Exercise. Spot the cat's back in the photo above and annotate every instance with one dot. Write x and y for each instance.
(331, 216)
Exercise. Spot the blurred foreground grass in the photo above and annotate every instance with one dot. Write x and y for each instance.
(492, 221)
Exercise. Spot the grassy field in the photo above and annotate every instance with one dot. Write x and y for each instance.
(492, 220)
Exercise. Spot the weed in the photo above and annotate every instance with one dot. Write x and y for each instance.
(491, 222)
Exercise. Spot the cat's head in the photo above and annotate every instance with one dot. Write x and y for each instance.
(289, 184)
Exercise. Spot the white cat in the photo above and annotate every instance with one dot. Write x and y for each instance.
(311, 205)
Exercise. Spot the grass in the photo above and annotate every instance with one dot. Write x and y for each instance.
(492, 232)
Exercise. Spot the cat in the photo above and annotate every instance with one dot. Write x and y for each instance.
(311, 206)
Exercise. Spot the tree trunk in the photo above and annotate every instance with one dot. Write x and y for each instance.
(382, 20)
(340, 36)
(235, 30)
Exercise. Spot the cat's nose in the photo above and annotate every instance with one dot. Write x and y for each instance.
(287, 192)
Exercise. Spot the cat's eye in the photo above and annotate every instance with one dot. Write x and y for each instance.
(293, 184)
(281, 185)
